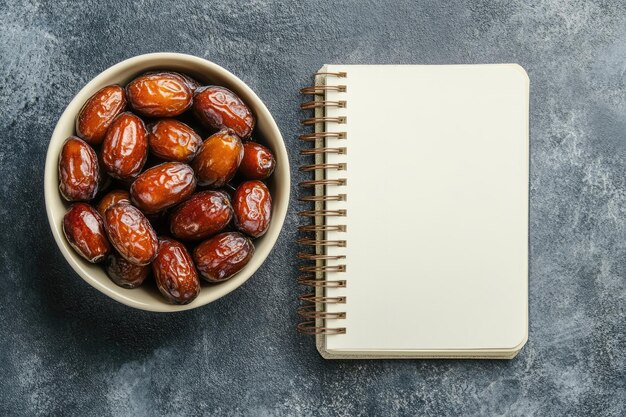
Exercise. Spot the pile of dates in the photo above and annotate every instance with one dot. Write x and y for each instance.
(151, 197)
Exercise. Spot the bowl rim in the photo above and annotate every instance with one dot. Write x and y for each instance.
(283, 186)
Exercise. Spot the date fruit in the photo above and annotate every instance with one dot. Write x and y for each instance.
(125, 147)
(163, 186)
(258, 163)
(98, 112)
(192, 83)
(175, 273)
(172, 140)
(222, 256)
(111, 198)
(84, 231)
(79, 170)
(218, 108)
(252, 204)
(130, 232)
(204, 214)
(159, 94)
(218, 158)
(124, 273)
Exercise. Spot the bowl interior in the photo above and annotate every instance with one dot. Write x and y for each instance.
(266, 132)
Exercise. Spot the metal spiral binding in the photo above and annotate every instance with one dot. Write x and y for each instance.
(313, 234)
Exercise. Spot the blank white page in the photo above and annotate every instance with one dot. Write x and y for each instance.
(437, 207)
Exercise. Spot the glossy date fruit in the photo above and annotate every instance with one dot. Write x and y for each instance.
(98, 112)
(175, 273)
(172, 140)
(159, 94)
(111, 198)
(204, 214)
(258, 163)
(218, 158)
(84, 231)
(163, 186)
(192, 83)
(125, 147)
(252, 204)
(219, 108)
(131, 233)
(124, 273)
(79, 170)
(222, 256)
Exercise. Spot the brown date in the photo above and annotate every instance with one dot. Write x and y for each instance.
(130, 232)
(125, 147)
(163, 186)
(192, 83)
(218, 108)
(79, 170)
(98, 112)
(175, 273)
(218, 158)
(159, 94)
(258, 163)
(111, 198)
(203, 215)
(172, 140)
(222, 256)
(124, 273)
(252, 204)
(84, 231)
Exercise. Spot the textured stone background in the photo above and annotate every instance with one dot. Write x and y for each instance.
(66, 349)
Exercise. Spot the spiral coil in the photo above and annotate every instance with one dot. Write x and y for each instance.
(314, 232)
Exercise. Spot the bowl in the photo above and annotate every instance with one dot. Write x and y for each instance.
(147, 296)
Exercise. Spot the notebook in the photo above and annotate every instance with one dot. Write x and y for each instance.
(415, 234)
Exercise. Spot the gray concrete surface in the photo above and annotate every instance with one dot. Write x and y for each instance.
(65, 349)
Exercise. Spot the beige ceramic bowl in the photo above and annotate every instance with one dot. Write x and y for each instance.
(147, 297)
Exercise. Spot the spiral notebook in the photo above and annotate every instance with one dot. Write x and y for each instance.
(416, 235)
